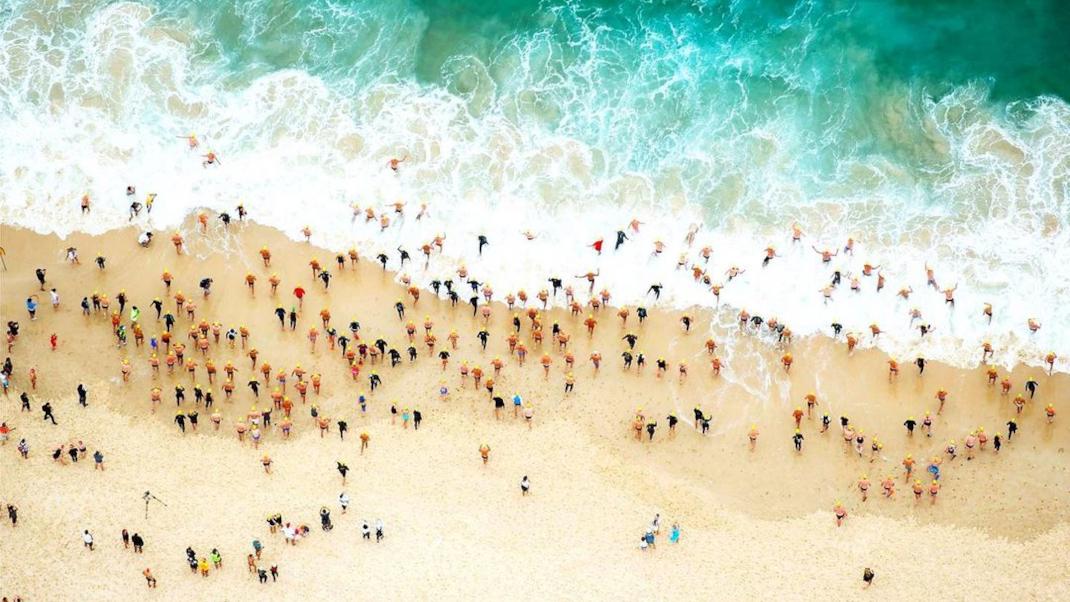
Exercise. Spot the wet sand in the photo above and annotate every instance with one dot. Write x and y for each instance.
(755, 523)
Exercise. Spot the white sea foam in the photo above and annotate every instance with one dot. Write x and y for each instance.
(95, 112)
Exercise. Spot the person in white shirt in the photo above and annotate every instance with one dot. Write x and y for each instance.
(343, 501)
(88, 539)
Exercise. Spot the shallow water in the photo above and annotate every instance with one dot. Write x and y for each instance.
(937, 134)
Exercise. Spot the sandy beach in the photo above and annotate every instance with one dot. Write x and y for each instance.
(754, 523)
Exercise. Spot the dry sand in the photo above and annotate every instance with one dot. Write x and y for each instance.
(754, 524)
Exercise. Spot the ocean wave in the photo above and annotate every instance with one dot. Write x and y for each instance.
(570, 127)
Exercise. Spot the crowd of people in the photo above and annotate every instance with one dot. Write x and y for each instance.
(178, 348)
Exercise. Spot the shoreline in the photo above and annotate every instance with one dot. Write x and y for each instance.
(1013, 345)
(584, 436)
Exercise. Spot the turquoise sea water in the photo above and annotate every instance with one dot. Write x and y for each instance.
(654, 82)
(930, 131)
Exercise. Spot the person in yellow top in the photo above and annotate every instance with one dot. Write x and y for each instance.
(203, 566)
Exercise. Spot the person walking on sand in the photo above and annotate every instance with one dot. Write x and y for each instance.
(47, 409)
(87, 539)
(484, 452)
(863, 487)
(149, 579)
(840, 512)
(867, 578)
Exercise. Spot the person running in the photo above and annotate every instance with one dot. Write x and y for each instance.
(840, 512)
(910, 424)
(863, 487)
(46, 408)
